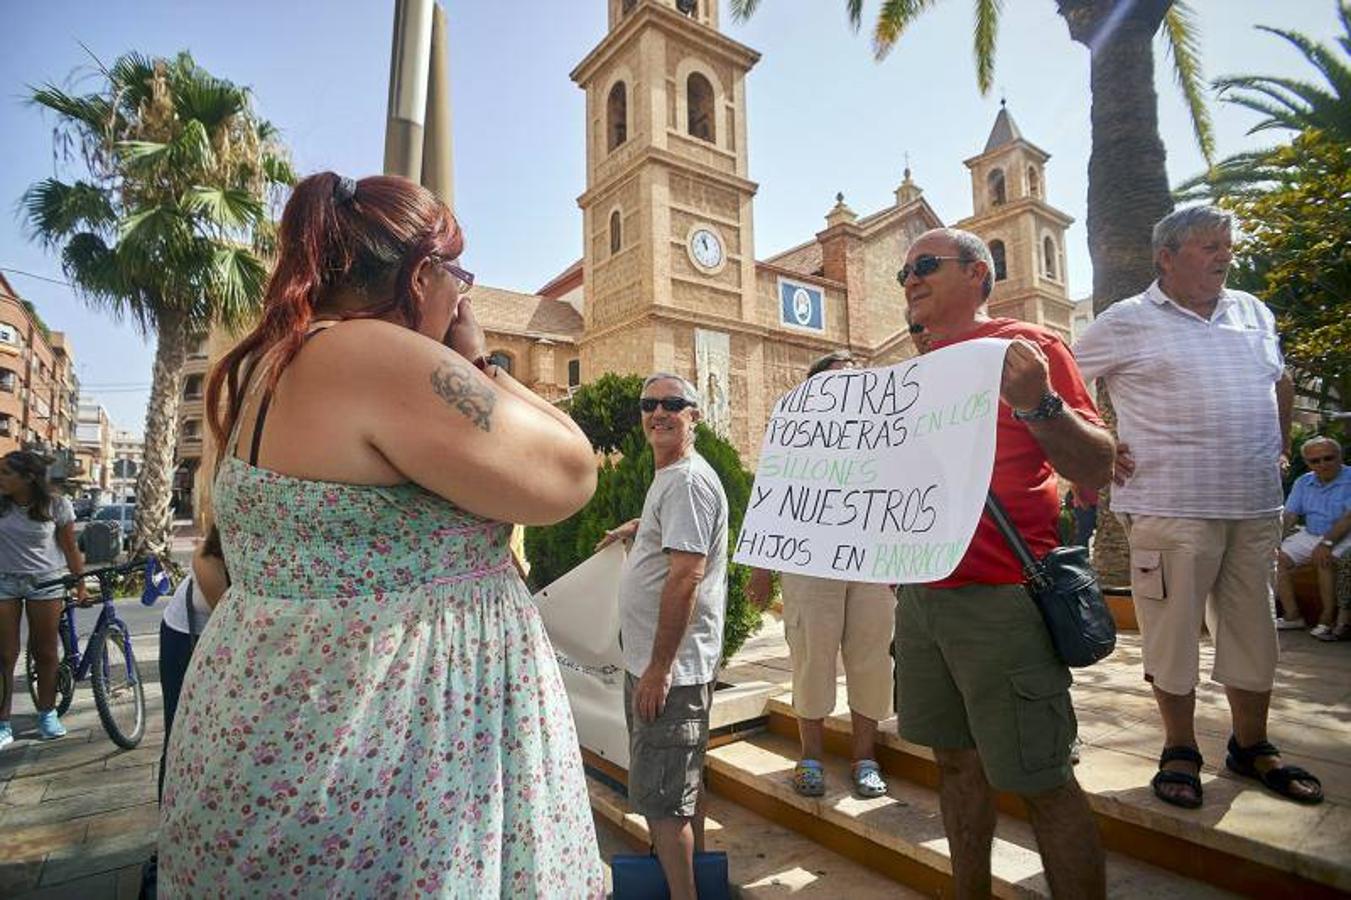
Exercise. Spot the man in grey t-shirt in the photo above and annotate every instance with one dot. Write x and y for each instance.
(672, 598)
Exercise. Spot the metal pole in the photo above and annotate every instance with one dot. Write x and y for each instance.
(409, 59)
(438, 157)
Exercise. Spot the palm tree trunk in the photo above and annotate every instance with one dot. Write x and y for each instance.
(1127, 181)
(154, 484)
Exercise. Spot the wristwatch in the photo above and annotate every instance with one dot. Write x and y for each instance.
(1327, 542)
(1049, 407)
(484, 364)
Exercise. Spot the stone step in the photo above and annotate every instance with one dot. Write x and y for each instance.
(764, 859)
(1243, 840)
(901, 834)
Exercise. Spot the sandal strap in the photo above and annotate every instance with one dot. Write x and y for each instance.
(1280, 777)
(866, 765)
(1248, 754)
(1181, 753)
(1170, 776)
(810, 765)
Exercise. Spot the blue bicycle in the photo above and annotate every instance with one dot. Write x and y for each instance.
(108, 661)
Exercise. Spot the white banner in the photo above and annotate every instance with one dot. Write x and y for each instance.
(877, 474)
(581, 614)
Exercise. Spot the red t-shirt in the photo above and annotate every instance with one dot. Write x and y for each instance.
(1023, 479)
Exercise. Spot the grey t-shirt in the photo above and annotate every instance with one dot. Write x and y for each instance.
(685, 510)
(28, 547)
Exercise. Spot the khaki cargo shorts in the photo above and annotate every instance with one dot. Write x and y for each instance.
(975, 668)
(666, 755)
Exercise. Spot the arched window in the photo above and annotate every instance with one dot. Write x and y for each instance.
(617, 116)
(1001, 270)
(501, 359)
(1048, 256)
(616, 233)
(699, 103)
(998, 195)
(1033, 181)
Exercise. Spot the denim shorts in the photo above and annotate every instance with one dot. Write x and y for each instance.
(19, 586)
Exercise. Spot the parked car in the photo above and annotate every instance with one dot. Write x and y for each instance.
(84, 507)
(124, 514)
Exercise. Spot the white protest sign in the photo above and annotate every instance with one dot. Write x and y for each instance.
(581, 614)
(877, 474)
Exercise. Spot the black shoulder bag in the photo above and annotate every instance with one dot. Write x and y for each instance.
(1065, 588)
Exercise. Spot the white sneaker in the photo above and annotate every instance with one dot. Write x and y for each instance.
(1289, 624)
(6, 735)
(1322, 632)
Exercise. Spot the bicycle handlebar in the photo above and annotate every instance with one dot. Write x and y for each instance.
(70, 580)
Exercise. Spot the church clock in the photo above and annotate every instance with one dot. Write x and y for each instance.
(705, 248)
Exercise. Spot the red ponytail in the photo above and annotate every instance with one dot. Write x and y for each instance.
(332, 237)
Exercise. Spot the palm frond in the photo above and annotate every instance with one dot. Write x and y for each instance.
(207, 100)
(92, 111)
(131, 76)
(1179, 26)
(278, 169)
(141, 151)
(54, 210)
(854, 9)
(192, 149)
(103, 280)
(230, 209)
(237, 283)
(1333, 69)
(892, 21)
(987, 30)
(743, 9)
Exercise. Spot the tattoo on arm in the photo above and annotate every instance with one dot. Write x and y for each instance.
(457, 386)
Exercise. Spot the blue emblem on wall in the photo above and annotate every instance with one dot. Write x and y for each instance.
(801, 305)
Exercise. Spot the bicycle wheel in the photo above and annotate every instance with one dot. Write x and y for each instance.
(65, 683)
(119, 693)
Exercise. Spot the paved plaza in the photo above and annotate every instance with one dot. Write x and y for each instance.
(78, 815)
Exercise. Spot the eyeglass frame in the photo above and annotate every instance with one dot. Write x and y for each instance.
(680, 404)
(463, 276)
(1331, 457)
(903, 274)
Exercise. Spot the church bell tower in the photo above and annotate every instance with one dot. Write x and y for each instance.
(667, 234)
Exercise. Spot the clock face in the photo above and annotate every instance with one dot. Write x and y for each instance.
(706, 248)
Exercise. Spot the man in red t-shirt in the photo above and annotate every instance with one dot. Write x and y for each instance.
(977, 677)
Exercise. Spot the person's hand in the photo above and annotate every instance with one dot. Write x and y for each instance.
(1124, 466)
(465, 335)
(625, 533)
(759, 588)
(1321, 556)
(649, 697)
(81, 595)
(1027, 375)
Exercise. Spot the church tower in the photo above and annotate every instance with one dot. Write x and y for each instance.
(1026, 234)
(667, 236)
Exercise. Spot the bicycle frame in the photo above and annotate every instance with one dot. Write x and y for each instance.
(80, 662)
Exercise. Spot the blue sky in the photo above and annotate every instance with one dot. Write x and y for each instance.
(822, 116)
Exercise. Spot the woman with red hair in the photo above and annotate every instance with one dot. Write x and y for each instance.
(376, 710)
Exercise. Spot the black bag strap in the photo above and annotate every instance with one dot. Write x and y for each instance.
(192, 613)
(1032, 569)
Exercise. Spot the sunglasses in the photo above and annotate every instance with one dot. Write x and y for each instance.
(1315, 460)
(925, 265)
(464, 279)
(670, 404)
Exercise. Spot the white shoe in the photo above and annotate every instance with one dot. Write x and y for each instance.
(1289, 624)
(1322, 632)
(6, 735)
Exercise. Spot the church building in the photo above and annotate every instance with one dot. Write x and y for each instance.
(669, 279)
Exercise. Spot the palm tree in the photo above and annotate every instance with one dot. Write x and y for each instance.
(1285, 104)
(167, 224)
(1127, 181)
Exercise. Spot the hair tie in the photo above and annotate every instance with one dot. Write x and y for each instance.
(344, 190)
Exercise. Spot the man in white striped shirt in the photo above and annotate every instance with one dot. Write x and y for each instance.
(1203, 403)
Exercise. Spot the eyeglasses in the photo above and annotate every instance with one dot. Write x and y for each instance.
(925, 265)
(1315, 460)
(670, 404)
(464, 279)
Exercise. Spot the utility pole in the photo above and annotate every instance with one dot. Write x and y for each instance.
(418, 126)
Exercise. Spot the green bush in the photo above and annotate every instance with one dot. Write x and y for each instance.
(607, 411)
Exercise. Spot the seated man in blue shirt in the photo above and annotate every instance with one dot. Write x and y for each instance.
(1323, 497)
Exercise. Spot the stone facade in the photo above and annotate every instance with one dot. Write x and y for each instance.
(666, 163)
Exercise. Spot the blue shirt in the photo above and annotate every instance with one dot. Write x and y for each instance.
(1320, 504)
